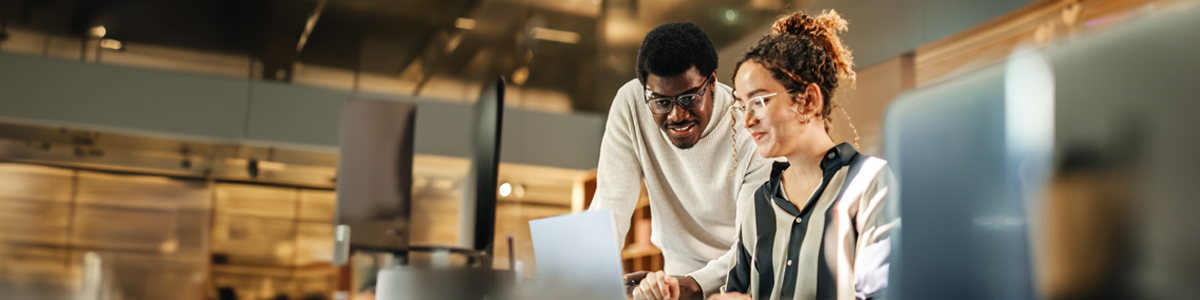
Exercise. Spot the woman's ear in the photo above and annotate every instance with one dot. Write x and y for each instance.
(813, 99)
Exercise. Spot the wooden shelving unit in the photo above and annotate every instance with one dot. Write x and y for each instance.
(637, 254)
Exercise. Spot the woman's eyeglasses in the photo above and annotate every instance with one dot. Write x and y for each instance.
(755, 105)
(664, 104)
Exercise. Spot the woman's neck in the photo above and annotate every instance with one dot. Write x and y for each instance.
(806, 160)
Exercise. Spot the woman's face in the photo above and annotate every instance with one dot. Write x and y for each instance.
(775, 124)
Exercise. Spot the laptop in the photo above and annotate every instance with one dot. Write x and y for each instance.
(578, 257)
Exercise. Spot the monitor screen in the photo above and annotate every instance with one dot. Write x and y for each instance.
(374, 181)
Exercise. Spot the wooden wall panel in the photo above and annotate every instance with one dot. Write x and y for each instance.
(435, 216)
(253, 241)
(41, 264)
(513, 219)
(124, 229)
(34, 222)
(35, 183)
(142, 192)
(318, 206)
(259, 201)
(314, 244)
(139, 213)
(255, 224)
(34, 204)
(147, 275)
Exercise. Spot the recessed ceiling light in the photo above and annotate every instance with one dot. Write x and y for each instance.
(111, 44)
(520, 75)
(98, 31)
(505, 189)
(464, 23)
(555, 35)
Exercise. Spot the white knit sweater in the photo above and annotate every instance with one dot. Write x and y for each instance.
(696, 195)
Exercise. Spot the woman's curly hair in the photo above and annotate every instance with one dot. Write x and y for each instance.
(802, 49)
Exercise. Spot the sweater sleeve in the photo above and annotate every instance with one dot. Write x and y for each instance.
(712, 276)
(619, 172)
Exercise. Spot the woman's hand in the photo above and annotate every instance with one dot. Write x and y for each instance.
(657, 286)
(730, 296)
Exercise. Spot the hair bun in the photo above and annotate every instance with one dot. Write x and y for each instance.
(824, 31)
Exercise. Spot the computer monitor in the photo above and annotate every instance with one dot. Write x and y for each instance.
(479, 222)
(1103, 123)
(374, 181)
(970, 155)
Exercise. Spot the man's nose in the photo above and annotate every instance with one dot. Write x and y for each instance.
(678, 114)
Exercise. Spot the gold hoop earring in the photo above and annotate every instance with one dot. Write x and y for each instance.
(805, 118)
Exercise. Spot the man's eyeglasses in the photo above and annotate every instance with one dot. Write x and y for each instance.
(754, 105)
(664, 104)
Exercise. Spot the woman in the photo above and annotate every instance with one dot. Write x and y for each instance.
(820, 228)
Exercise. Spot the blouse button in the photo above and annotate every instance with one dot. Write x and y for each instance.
(789, 262)
(797, 220)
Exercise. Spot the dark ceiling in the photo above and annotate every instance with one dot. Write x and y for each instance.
(387, 37)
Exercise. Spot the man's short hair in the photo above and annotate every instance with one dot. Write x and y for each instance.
(673, 48)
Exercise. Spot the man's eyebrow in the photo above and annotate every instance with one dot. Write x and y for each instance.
(690, 91)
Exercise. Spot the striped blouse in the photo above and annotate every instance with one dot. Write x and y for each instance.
(835, 247)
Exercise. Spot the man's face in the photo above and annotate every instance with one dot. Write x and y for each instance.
(683, 126)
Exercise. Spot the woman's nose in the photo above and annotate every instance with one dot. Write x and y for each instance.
(749, 120)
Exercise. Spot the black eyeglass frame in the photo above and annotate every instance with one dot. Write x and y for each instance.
(675, 100)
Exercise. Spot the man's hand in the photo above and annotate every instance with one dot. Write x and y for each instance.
(657, 286)
(730, 296)
(633, 277)
(689, 289)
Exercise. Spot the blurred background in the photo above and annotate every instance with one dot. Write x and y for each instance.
(188, 148)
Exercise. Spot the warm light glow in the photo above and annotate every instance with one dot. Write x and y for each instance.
(98, 31)
(555, 35)
(464, 23)
(505, 189)
(453, 43)
(622, 32)
(520, 75)
(110, 44)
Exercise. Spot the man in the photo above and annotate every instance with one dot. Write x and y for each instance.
(672, 129)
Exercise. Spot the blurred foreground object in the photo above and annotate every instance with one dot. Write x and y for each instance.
(1067, 172)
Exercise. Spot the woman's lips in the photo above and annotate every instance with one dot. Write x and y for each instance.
(757, 135)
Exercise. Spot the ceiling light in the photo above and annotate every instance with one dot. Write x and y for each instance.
(453, 43)
(98, 31)
(111, 44)
(520, 75)
(731, 15)
(555, 35)
(464, 23)
(505, 189)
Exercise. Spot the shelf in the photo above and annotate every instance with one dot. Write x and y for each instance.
(636, 251)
